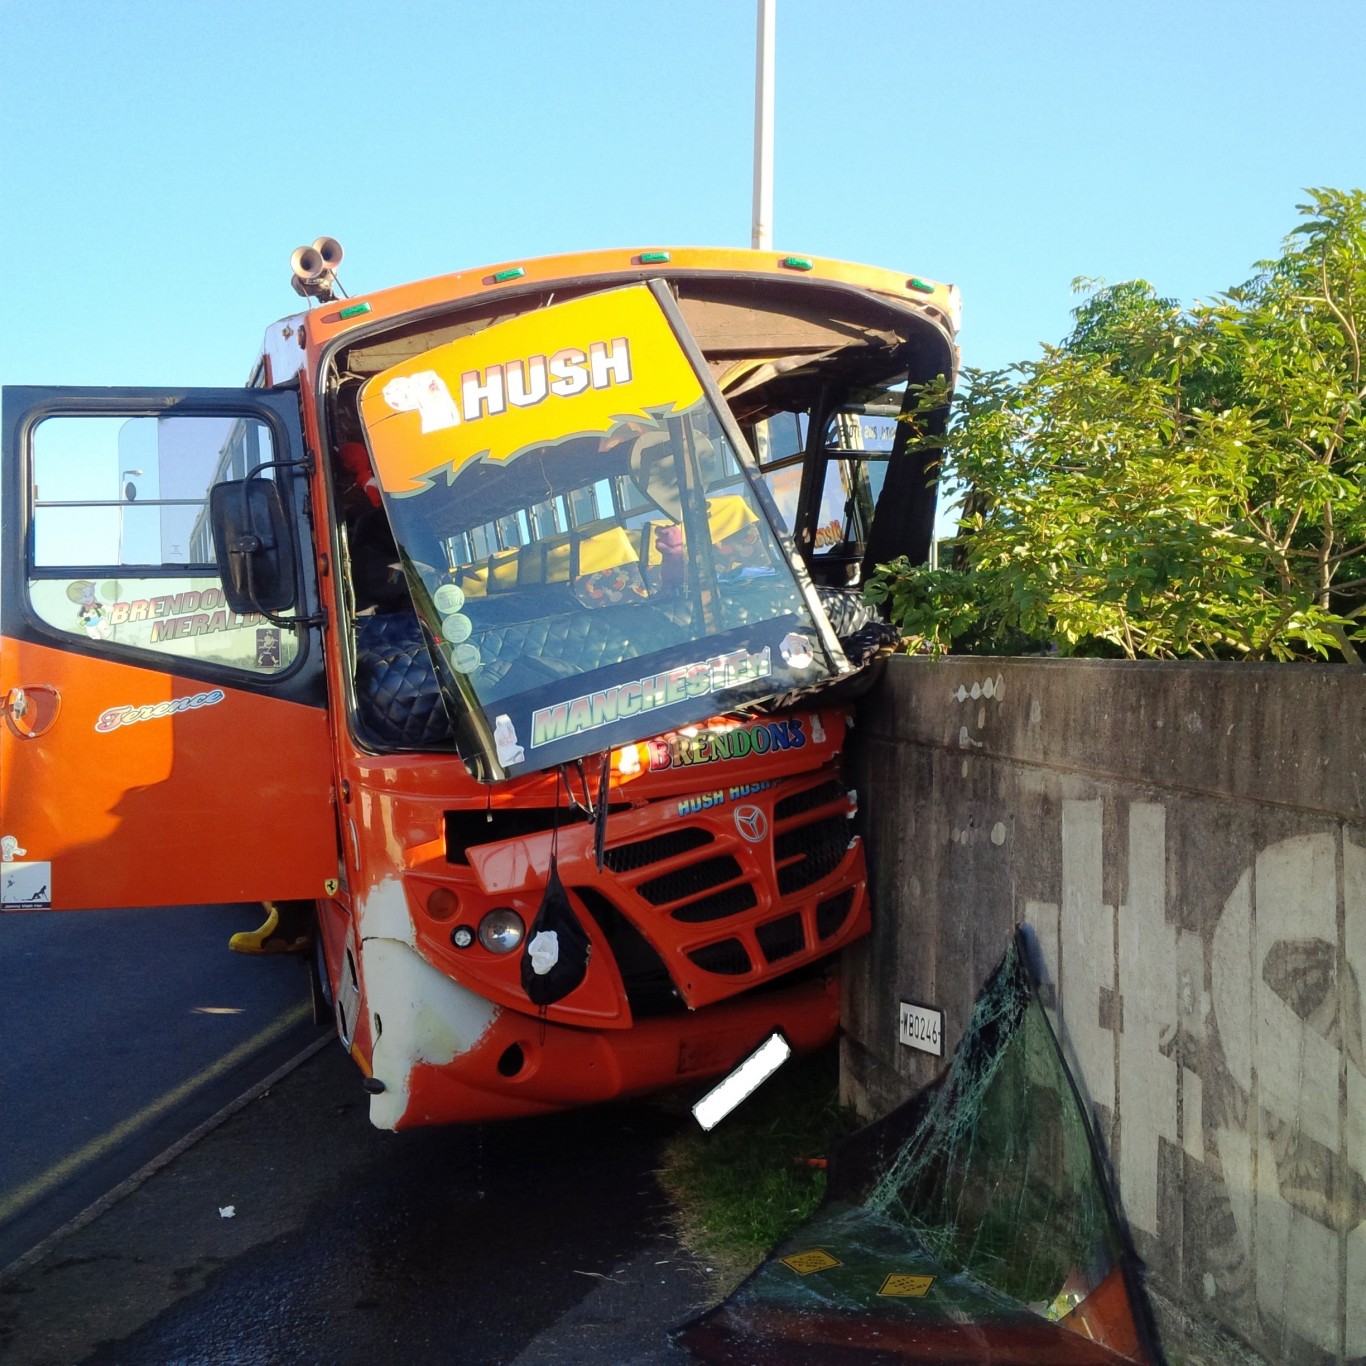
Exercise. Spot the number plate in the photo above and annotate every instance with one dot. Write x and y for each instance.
(922, 1028)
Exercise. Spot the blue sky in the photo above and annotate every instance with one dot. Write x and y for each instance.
(160, 160)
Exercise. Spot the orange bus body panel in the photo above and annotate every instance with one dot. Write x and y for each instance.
(563, 1067)
(226, 801)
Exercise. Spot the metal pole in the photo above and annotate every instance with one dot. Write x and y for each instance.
(762, 235)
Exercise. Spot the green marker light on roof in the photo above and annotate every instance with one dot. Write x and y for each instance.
(915, 282)
(501, 277)
(352, 311)
(797, 263)
(654, 258)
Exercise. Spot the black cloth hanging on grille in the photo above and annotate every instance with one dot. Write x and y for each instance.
(555, 957)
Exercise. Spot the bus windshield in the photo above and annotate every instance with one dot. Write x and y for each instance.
(590, 558)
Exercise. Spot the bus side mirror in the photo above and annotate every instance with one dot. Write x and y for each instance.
(253, 545)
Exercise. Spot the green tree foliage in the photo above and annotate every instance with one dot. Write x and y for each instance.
(1168, 483)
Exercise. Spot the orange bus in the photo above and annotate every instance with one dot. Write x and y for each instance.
(502, 635)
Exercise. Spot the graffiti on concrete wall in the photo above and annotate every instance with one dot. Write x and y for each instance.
(1240, 1045)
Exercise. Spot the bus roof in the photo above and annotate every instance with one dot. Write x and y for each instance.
(323, 325)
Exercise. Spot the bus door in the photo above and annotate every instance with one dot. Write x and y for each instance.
(157, 747)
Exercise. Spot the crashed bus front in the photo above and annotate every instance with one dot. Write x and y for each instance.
(558, 568)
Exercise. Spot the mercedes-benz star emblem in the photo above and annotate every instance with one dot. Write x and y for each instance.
(751, 823)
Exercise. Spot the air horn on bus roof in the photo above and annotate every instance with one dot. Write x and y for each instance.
(315, 269)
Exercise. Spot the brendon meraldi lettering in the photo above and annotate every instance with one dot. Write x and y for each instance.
(114, 717)
(178, 615)
(624, 700)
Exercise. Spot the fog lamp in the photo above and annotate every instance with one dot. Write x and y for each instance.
(501, 930)
(442, 904)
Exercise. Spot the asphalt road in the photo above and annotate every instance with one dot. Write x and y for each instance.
(123, 1030)
(536, 1243)
(533, 1243)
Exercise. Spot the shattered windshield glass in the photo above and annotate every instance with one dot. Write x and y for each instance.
(975, 1224)
(590, 561)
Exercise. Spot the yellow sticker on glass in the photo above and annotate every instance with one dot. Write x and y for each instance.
(913, 1287)
(589, 366)
(804, 1263)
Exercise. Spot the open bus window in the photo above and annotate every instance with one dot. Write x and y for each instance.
(859, 440)
(851, 468)
(122, 552)
(589, 560)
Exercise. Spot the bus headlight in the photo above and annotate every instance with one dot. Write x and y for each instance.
(501, 930)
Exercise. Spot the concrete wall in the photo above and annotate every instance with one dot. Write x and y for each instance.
(1189, 843)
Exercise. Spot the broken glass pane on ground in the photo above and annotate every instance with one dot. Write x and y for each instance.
(975, 1224)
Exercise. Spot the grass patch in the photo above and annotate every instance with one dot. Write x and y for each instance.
(743, 1187)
